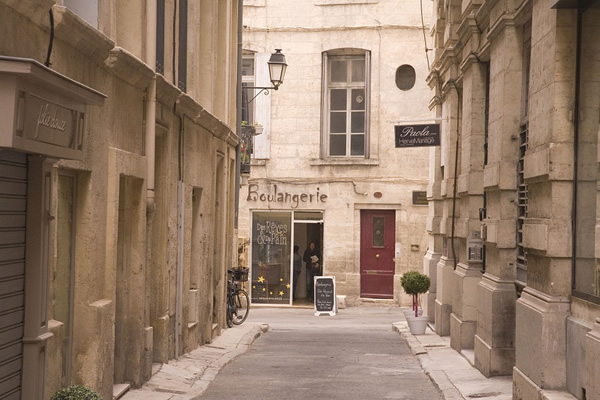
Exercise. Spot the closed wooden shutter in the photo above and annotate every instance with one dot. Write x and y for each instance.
(13, 204)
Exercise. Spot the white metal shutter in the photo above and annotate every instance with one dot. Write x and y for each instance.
(13, 205)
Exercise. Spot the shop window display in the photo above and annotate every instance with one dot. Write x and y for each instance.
(271, 257)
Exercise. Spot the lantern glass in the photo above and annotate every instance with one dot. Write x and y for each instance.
(277, 67)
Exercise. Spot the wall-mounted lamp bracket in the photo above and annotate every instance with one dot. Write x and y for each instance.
(264, 90)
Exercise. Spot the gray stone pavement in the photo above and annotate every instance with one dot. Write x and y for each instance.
(189, 376)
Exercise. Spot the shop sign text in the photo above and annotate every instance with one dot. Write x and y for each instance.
(276, 196)
(51, 123)
(271, 233)
(417, 135)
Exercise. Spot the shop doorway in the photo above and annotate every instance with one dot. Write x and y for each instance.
(377, 244)
(129, 282)
(306, 231)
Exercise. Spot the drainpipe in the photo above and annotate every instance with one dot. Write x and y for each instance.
(150, 133)
(576, 149)
(457, 149)
(239, 111)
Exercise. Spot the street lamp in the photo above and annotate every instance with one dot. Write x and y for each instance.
(277, 67)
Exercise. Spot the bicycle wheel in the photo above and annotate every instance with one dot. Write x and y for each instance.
(229, 313)
(241, 308)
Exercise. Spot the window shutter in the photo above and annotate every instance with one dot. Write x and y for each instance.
(262, 142)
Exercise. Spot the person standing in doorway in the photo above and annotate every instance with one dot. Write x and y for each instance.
(297, 268)
(312, 258)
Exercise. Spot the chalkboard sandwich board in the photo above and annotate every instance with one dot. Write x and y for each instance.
(325, 299)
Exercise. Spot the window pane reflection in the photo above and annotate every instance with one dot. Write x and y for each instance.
(358, 70)
(357, 144)
(338, 99)
(337, 145)
(337, 122)
(339, 71)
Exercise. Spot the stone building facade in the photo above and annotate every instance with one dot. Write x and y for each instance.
(513, 199)
(117, 187)
(325, 167)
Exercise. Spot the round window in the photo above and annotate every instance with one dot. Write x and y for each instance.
(405, 77)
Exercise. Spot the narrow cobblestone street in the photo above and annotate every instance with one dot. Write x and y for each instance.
(353, 355)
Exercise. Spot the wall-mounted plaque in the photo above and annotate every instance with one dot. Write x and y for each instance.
(419, 198)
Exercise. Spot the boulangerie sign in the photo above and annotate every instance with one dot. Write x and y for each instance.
(417, 135)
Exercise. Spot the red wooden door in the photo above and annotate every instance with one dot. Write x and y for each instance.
(377, 245)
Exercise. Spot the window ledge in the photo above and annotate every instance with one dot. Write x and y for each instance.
(129, 68)
(345, 161)
(80, 35)
(260, 162)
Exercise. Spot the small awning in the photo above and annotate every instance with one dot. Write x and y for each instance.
(42, 111)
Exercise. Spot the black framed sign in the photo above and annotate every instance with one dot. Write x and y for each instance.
(325, 300)
(419, 198)
(417, 135)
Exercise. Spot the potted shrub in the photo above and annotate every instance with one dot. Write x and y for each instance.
(77, 392)
(415, 283)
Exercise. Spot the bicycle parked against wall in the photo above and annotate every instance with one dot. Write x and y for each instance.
(238, 303)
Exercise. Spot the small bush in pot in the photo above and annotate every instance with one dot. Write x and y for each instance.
(76, 392)
(415, 283)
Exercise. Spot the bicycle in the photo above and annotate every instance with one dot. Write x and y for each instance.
(238, 303)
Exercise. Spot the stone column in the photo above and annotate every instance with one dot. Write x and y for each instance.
(445, 267)
(494, 342)
(543, 309)
(463, 321)
(434, 251)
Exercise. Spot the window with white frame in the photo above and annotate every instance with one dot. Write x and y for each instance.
(346, 106)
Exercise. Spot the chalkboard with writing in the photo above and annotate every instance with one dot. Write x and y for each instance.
(325, 300)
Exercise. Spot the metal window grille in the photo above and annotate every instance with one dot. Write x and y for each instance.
(522, 198)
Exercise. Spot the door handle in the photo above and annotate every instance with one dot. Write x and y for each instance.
(376, 255)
